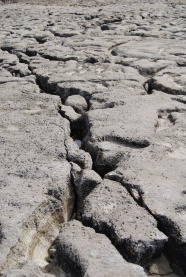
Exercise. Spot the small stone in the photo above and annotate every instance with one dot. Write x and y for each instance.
(77, 102)
(52, 251)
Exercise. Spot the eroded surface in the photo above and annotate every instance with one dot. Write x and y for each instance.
(93, 91)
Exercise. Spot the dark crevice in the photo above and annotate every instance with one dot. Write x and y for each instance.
(61, 35)
(31, 52)
(42, 82)
(1, 233)
(115, 45)
(79, 130)
(7, 48)
(168, 90)
(174, 249)
(70, 267)
(104, 27)
(112, 20)
(74, 213)
(181, 64)
(149, 86)
(134, 144)
(183, 101)
(40, 40)
(91, 60)
(54, 58)
(152, 84)
(176, 110)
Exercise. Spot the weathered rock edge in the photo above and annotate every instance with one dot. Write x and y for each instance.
(84, 253)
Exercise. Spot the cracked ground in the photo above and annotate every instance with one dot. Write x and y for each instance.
(93, 138)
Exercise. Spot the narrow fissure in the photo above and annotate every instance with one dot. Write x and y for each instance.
(78, 133)
(141, 203)
(78, 136)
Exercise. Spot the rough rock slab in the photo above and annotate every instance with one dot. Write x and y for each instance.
(110, 210)
(36, 193)
(83, 252)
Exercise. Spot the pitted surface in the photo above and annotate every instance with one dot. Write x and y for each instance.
(110, 75)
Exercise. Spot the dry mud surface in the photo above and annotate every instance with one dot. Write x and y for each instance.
(93, 139)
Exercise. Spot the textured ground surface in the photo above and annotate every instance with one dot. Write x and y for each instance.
(93, 128)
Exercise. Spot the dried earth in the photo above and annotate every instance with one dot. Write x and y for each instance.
(93, 138)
